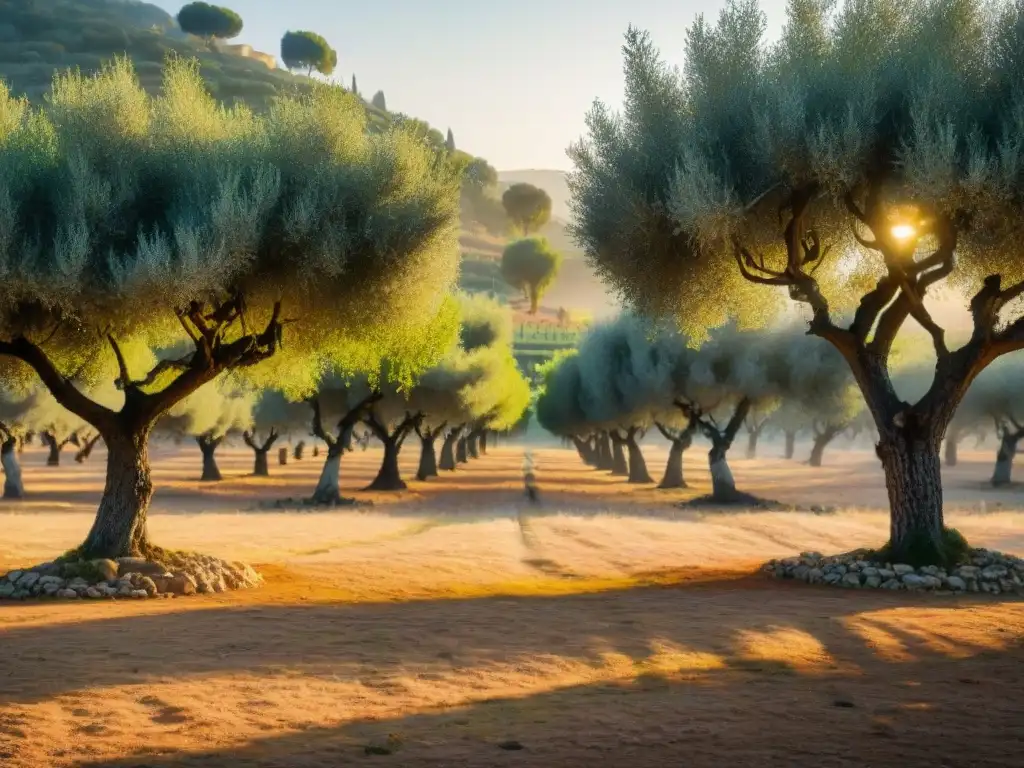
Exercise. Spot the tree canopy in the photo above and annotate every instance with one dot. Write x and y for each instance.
(527, 206)
(380, 101)
(531, 265)
(210, 21)
(867, 156)
(137, 222)
(309, 51)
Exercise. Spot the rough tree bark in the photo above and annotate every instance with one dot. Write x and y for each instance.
(328, 486)
(13, 486)
(448, 463)
(461, 454)
(681, 440)
(790, 443)
(1009, 435)
(389, 476)
(428, 451)
(473, 444)
(585, 451)
(603, 452)
(822, 437)
(723, 486)
(754, 430)
(261, 467)
(638, 473)
(620, 466)
(56, 445)
(86, 450)
(208, 445)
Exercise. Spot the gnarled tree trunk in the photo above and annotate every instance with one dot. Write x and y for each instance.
(13, 486)
(603, 444)
(120, 528)
(461, 456)
(300, 447)
(723, 486)
(637, 465)
(790, 443)
(389, 476)
(585, 451)
(1008, 440)
(914, 483)
(56, 446)
(620, 466)
(208, 445)
(822, 438)
(261, 451)
(428, 457)
(680, 441)
(447, 463)
(473, 444)
(328, 486)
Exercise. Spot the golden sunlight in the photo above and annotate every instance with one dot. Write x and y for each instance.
(904, 231)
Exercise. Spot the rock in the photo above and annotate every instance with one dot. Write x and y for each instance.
(931, 582)
(27, 580)
(902, 569)
(148, 586)
(886, 573)
(929, 570)
(181, 584)
(125, 590)
(128, 565)
(815, 575)
(800, 572)
(13, 576)
(851, 580)
(106, 568)
(6, 589)
(955, 582)
(67, 594)
(892, 583)
(832, 578)
(50, 589)
(21, 594)
(869, 570)
(993, 572)
(873, 582)
(92, 592)
(140, 594)
(51, 580)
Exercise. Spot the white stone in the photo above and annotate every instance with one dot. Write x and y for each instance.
(93, 593)
(913, 581)
(68, 594)
(902, 569)
(993, 572)
(955, 582)
(886, 573)
(869, 570)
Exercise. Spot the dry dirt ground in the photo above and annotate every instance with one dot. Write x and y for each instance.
(448, 625)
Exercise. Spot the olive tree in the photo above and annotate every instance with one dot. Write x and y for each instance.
(274, 416)
(165, 220)
(210, 415)
(869, 155)
(531, 265)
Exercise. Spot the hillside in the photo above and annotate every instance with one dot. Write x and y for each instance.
(38, 37)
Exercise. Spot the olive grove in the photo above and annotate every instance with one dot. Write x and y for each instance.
(868, 156)
(271, 245)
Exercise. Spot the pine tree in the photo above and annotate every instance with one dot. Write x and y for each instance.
(379, 101)
(355, 88)
(450, 141)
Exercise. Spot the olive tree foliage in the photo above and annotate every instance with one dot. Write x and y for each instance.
(527, 207)
(308, 50)
(209, 21)
(871, 154)
(531, 265)
(128, 220)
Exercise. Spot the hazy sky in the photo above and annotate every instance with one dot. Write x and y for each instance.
(513, 80)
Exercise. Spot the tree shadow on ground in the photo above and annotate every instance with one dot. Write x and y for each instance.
(948, 703)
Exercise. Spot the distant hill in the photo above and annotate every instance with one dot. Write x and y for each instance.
(38, 37)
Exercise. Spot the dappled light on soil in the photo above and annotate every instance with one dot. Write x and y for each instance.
(431, 627)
